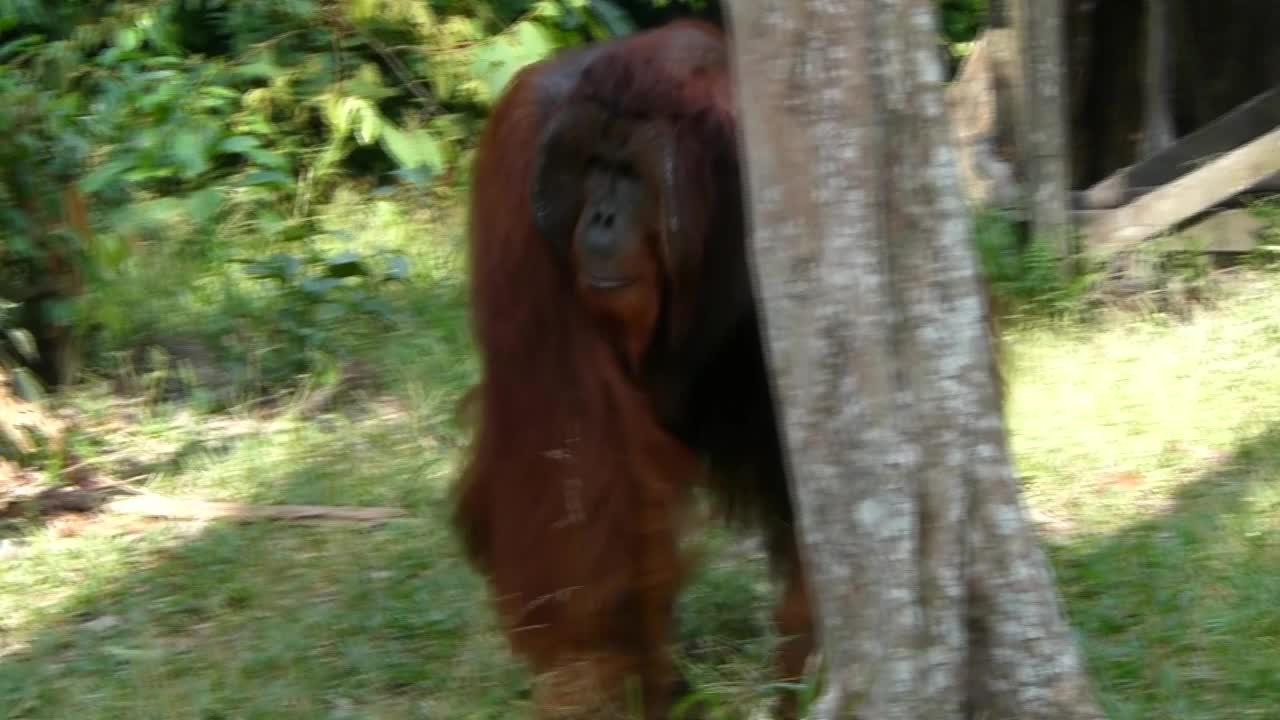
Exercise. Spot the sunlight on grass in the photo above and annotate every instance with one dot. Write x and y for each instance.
(1156, 447)
(1152, 446)
(1105, 423)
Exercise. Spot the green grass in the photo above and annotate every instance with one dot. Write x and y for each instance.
(1150, 450)
(1153, 450)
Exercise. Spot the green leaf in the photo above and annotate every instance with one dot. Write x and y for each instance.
(239, 144)
(341, 112)
(109, 57)
(534, 39)
(330, 312)
(344, 235)
(613, 17)
(363, 10)
(7, 309)
(19, 245)
(379, 308)
(15, 47)
(346, 264)
(24, 343)
(554, 9)
(27, 385)
(128, 39)
(267, 177)
(191, 151)
(271, 160)
(289, 265)
(412, 149)
(142, 174)
(261, 271)
(263, 68)
(320, 286)
(58, 311)
(442, 83)
(496, 61)
(203, 205)
(295, 229)
(280, 266)
(105, 174)
(220, 92)
(368, 84)
(370, 123)
(110, 251)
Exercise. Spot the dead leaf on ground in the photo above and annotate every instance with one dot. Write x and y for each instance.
(1122, 479)
(70, 525)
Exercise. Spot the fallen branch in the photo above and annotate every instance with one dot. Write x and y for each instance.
(33, 497)
(182, 509)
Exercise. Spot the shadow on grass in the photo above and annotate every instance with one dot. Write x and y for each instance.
(1180, 613)
(153, 620)
(128, 618)
(266, 621)
(121, 617)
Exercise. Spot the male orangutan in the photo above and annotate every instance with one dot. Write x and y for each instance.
(622, 363)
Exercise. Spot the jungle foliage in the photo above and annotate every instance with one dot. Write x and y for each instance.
(216, 134)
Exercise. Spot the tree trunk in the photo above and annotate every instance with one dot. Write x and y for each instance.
(997, 14)
(934, 598)
(1157, 121)
(1042, 132)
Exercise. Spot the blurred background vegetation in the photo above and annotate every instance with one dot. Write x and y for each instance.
(192, 167)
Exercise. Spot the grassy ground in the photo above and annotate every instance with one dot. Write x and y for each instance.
(1150, 450)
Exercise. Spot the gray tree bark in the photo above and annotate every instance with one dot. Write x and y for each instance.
(1042, 133)
(997, 13)
(933, 596)
(1158, 132)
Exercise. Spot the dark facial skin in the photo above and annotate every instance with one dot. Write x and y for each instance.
(610, 244)
(617, 267)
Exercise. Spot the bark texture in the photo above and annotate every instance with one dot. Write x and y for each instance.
(934, 598)
(1157, 111)
(1042, 119)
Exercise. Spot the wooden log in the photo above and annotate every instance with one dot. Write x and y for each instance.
(1234, 129)
(1244, 123)
(1117, 197)
(1228, 231)
(1234, 230)
(1186, 197)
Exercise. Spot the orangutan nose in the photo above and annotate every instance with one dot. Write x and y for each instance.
(600, 237)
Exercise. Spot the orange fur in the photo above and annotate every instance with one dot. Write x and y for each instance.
(597, 413)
